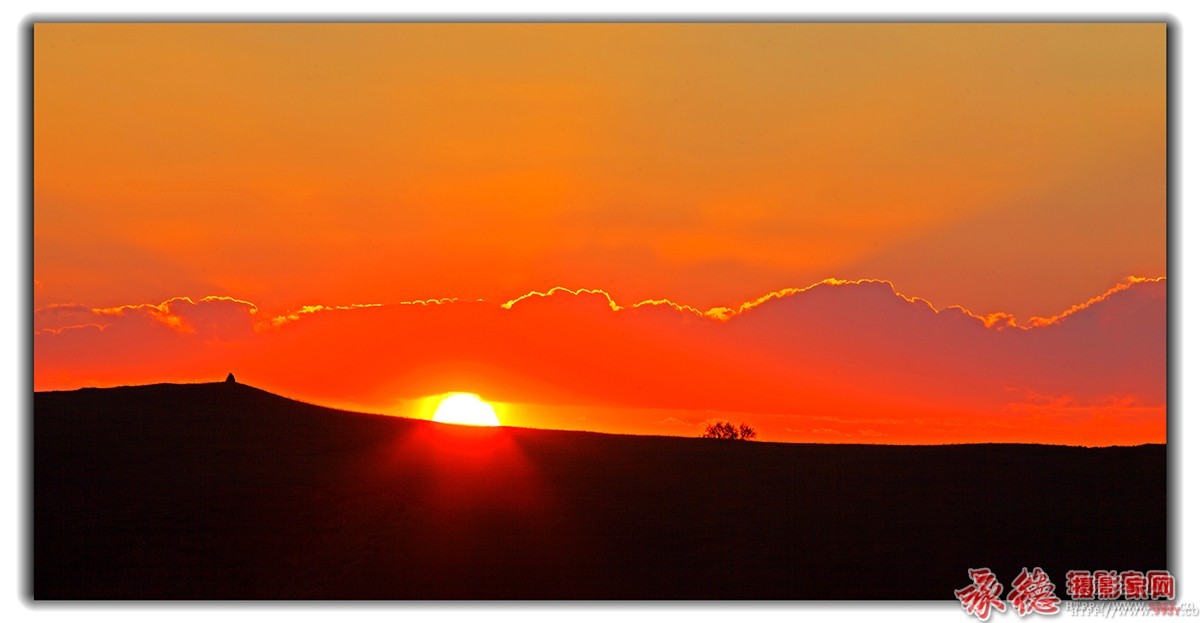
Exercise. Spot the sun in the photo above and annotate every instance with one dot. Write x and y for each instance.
(462, 408)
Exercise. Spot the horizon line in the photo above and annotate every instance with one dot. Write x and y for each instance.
(590, 432)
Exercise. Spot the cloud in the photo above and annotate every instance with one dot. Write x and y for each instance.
(219, 317)
(1114, 291)
(558, 290)
(854, 350)
(61, 316)
(279, 321)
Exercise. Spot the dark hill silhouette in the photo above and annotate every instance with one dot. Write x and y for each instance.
(224, 491)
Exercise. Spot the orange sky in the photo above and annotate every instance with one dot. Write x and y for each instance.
(1015, 168)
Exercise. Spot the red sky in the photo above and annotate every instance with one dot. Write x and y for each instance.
(1003, 168)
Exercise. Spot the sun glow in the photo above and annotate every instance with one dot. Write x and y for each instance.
(462, 408)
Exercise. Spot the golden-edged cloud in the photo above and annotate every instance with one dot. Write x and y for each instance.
(855, 350)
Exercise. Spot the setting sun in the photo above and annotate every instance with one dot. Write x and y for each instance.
(466, 409)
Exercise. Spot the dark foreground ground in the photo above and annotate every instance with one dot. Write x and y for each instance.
(223, 491)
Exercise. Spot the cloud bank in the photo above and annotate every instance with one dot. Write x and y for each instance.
(826, 362)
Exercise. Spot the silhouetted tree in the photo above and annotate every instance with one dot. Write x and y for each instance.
(726, 430)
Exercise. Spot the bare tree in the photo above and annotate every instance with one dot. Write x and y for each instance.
(726, 430)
